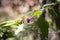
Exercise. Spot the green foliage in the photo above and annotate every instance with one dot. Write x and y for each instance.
(52, 12)
(43, 25)
(6, 29)
(16, 22)
(12, 22)
(37, 12)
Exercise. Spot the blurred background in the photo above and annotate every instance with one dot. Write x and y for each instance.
(12, 9)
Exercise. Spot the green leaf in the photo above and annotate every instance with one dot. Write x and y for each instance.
(16, 22)
(43, 25)
(52, 12)
(11, 22)
(36, 12)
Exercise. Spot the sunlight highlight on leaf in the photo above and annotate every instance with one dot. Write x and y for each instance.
(54, 26)
(36, 12)
(49, 20)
